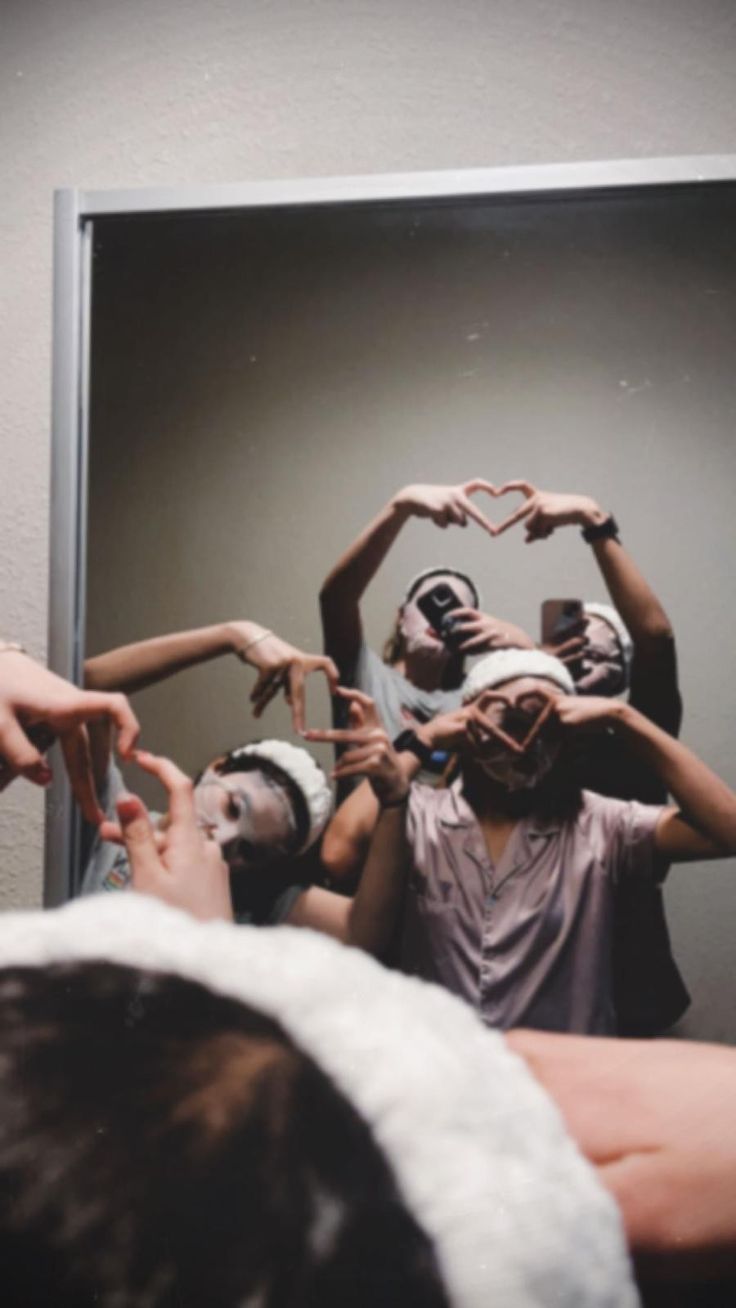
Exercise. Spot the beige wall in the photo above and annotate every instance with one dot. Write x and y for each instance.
(160, 92)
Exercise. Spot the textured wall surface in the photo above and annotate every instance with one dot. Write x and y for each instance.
(171, 91)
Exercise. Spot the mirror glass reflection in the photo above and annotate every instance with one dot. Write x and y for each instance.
(265, 385)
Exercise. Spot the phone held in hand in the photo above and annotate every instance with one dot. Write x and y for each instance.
(438, 605)
(561, 620)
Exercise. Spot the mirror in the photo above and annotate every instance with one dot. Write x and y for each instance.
(263, 380)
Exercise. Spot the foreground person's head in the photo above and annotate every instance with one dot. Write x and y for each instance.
(220, 1115)
(514, 739)
(263, 803)
(163, 1145)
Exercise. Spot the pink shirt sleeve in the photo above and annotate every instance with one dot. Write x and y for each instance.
(625, 830)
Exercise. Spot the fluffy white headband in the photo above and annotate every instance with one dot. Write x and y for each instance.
(614, 619)
(505, 664)
(307, 776)
(478, 1150)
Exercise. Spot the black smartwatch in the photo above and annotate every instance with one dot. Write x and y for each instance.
(408, 741)
(607, 530)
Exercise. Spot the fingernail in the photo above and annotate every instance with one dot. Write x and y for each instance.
(127, 808)
(40, 774)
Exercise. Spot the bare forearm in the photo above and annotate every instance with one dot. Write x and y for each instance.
(706, 800)
(632, 595)
(359, 564)
(375, 908)
(347, 839)
(132, 667)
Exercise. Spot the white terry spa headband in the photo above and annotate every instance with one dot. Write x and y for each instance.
(505, 664)
(611, 615)
(479, 1152)
(307, 776)
(416, 582)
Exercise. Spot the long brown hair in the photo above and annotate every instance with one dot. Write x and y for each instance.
(161, 1144)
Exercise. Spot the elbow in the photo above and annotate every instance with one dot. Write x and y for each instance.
(658, 632)
(340, 859)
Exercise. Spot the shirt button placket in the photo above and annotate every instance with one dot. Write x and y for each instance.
(485, 958)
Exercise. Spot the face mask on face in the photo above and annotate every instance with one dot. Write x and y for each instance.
(249, 816)
(500, 725)
(603, 664)
(417, 637)
(519, 771)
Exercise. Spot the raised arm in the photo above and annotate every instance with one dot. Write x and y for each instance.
(347, 838)
(145, 662)
(369, 919)
(281, 666)
(642, 612)
(344, 586)
(704, 824)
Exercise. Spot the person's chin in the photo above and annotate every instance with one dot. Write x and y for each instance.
(430, 651)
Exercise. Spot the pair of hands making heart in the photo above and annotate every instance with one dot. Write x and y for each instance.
(541, 511)
(369, 752)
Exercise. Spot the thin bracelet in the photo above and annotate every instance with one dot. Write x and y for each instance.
(11, 647)
(256, 641)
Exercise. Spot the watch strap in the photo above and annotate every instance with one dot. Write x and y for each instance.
(408, 741)
(606, 530)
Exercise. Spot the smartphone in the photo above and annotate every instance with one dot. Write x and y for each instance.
(561, 619)
(438, 605)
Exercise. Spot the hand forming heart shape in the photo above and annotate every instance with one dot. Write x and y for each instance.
(481, 724)
(496, 492)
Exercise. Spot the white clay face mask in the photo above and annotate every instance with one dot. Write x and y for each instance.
(519, 772)
(249, 815)
(604, 667)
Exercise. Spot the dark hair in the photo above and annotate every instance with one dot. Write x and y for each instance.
(162, 1146)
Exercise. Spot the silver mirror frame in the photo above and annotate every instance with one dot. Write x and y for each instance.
(74, 216)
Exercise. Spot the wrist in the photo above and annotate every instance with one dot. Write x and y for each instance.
(237, 637)
(395, 800)
(409, 744)
(400, 506)
(425, 735)
(623, 717)
(591, 514)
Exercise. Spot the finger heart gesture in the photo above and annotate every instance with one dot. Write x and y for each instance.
(448, 505)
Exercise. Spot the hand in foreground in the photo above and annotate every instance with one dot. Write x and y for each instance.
(544, 511)
(484, 633)
(657, 1120)
(281, 666)
(446, 505)
(368, 749)
(36, 701)
(178, 864)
